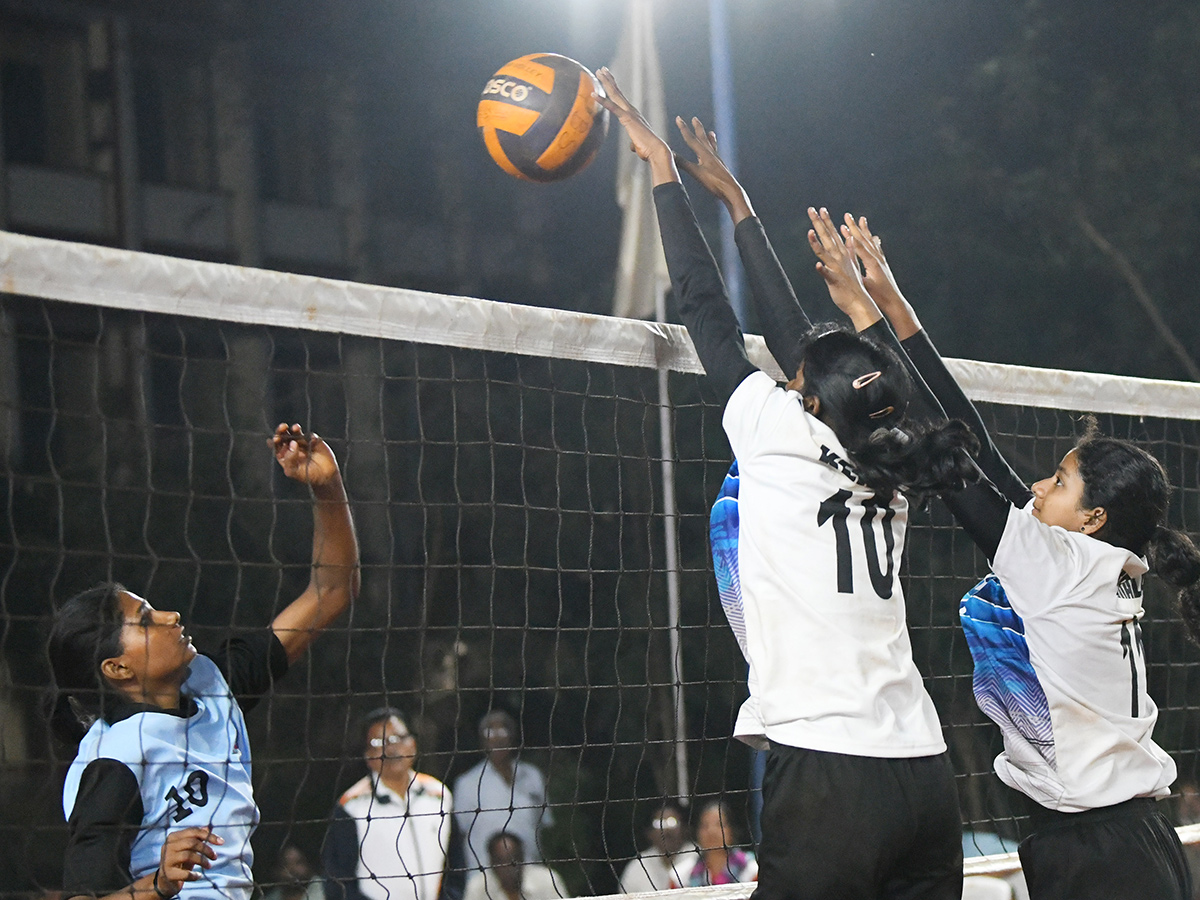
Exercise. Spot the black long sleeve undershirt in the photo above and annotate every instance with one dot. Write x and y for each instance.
(700, 292)
(784, 321)
(932, 367)
(979, 508)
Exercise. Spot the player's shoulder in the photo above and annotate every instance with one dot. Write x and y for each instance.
(361, 788)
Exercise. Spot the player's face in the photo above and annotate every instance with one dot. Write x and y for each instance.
(390, 746)
(1058, 500)
(154, 645)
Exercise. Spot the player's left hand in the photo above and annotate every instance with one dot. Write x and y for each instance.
(710, 170)
(304, 457)
(837, 263)
(642, 139)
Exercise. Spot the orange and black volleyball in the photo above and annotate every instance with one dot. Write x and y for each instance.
(538, 118)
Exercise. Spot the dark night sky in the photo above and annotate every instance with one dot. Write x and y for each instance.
(844, 103)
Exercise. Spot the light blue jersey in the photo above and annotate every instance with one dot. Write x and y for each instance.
(191, 771)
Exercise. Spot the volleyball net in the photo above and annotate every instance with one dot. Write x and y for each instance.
(531, 490)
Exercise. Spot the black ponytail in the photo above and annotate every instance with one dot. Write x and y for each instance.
(919, 460)
(86, 631)
(864, 392)
(1175, 559)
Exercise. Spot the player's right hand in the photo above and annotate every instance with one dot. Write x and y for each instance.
(182, 852)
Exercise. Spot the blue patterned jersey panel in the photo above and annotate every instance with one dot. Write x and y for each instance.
(1006, 684)
(723, 535)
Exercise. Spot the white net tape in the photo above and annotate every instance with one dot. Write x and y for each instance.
(82, 273)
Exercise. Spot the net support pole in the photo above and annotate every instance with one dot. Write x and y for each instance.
(723, 125)
(671, 541)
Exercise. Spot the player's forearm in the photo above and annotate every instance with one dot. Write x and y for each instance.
(699, 291)
(142, 889)
(783, 320)
(335, 569)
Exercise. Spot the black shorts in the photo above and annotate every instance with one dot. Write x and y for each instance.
(1125, 851)
(839, 827)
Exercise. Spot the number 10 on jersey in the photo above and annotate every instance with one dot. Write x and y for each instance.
(836, 510)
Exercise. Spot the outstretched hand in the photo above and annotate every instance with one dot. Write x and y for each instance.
(642, 139)
(878, 278)
(304, 457)
(710, 170)
(837, 263)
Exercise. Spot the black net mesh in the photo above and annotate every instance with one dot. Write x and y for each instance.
(510, 516)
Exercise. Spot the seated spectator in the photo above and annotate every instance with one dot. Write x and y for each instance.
(390, 835)
(720, 862)
(294, 877)
(510, 877)
(501, 793)
(667, 863)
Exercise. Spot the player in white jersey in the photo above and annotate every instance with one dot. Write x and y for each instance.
(1055, 633)
(858, 799)
(158, 799)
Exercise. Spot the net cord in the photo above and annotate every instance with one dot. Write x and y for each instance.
(125, 279)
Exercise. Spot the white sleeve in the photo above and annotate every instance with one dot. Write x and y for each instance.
(1041, 566)
(753, 410)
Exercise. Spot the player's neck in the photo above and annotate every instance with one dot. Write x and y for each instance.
(164, 696)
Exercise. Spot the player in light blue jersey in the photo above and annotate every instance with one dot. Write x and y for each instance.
(158, 800)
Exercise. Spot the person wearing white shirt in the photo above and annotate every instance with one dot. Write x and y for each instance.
(668, 861)
(390, 835)
(501, 793)
(1056, 637)
(510, 877)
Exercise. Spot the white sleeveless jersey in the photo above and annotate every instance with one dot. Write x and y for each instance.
(816, 556)
(1056, 638)
(192, 771)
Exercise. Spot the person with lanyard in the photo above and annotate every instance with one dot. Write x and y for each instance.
(1055, 633)
(158, 799)
(390, 836)
(859, 797)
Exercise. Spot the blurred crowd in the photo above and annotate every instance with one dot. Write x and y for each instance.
(400, 834)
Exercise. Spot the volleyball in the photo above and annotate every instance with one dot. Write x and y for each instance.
(538, 118)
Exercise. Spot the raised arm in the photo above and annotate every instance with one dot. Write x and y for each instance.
(881, 285)
(695, 278)
(335, 575)
(783, 320)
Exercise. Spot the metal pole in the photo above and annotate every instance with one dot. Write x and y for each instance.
(726, 130)
(671, 540)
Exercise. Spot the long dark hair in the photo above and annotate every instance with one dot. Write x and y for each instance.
(1133, 489)
(86, 631)
(864, 391)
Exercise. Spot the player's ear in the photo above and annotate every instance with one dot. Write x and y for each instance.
(115, 670)
(812, 404)
(1096, 519)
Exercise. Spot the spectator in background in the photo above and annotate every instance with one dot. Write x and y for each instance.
(501, 793)
(720, 861)
(294, 877)
(668, 862)
(390, 835)
(509, 877)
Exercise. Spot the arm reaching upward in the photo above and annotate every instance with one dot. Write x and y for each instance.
(783, 320)
(335, 575)
(881, 284)
(695, 279)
